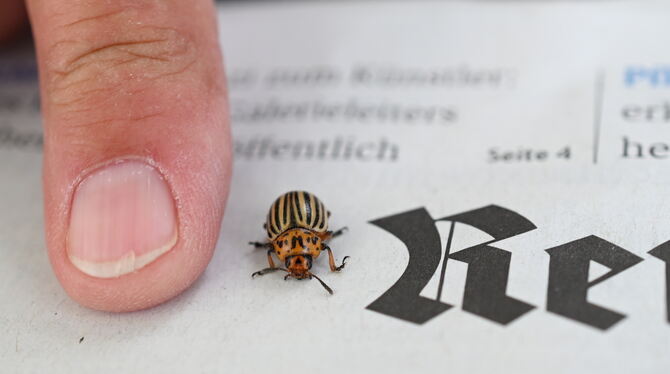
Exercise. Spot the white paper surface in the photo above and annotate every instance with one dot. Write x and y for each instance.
(383, 108)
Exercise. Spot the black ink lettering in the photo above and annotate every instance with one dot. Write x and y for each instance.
(488, 270)
(662, 252)
(569, 284)
(416, 229)
(488, 267)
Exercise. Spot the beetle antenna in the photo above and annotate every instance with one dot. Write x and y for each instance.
(330, 291)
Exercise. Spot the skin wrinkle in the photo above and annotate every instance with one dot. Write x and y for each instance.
(140, 57)
(68, 66)
(177, 72)
(118, 62)
(96, 51)
(89, 61)
(84, 95)
(112, 120)
(74, 130)
(93, 18)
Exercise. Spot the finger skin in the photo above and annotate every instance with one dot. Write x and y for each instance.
(134, 79)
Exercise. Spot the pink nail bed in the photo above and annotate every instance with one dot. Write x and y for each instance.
(122, 218)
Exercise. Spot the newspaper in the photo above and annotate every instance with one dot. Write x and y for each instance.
(501, 167)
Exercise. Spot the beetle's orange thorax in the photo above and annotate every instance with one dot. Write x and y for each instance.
(297, 248)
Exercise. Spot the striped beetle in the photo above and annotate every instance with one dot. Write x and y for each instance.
(297, 230)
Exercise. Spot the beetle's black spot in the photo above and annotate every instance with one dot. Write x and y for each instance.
(285, 211)
(277, 221)
(297, 240)
(280, 244)
(299, 208)
(317, 214)
(308, 208)
(315, 239)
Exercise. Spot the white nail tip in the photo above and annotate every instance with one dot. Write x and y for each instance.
(127, 264)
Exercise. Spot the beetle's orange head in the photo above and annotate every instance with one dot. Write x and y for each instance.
(298, 266)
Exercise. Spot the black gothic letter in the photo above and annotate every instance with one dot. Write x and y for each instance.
(663, 252)
(569, 279)
(488, 266)
(417, 231)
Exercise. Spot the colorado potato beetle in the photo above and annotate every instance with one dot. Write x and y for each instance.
(297, 233)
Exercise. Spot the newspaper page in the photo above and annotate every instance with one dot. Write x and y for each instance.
(502, 168)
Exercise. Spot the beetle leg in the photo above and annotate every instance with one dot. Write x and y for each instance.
(343, 263)
(267, 270)
(270, 262)
(339, 232)
(261, 245)
(264, 271)
(331, 261)
(327, 235)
